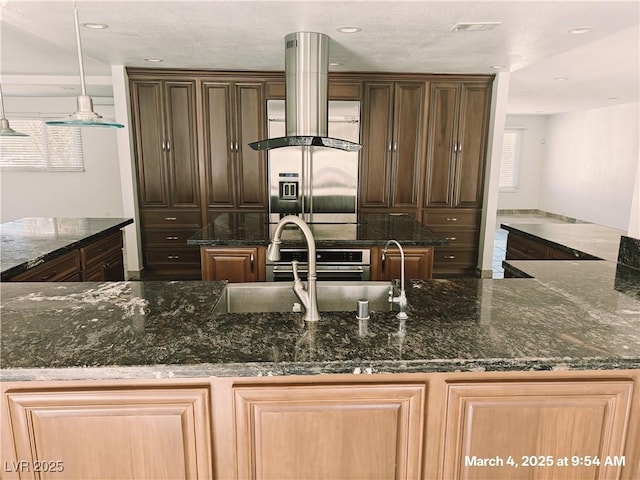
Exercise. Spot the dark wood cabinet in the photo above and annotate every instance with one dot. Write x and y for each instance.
(234, 115)
(165, 119)
(456, 144)
(164, 114)
(392, 138)
(418, 263)
(455, 162)
(243, 264)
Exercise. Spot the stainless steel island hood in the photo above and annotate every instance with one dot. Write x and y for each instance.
(306, 85)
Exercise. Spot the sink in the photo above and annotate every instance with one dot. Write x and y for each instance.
(279, 297)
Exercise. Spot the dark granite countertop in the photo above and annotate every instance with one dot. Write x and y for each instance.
(167, 329)
(587, 239)
(371, 229)
(31, 241)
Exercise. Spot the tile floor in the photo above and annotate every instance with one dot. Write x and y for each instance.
(500, 242)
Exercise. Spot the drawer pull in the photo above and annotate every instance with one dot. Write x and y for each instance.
(451, 238)
(449, 257)
(172, 238)
(451, 219)
(173, 257)
(251, 259)
(47, 277)
(170, 219)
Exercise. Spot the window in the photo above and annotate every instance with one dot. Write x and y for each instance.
(510, 159)
(45, 149)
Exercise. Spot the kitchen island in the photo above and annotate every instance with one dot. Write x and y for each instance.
(553, 370)
(73, 244)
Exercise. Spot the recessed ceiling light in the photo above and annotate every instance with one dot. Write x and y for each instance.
(581, 30)
(95, 26)
(612, 98)
(153, 60)
(561, 79)
(350, 29)
(497, 67)
(475, 26)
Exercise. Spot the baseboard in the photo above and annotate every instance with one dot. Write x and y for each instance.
(542, 213)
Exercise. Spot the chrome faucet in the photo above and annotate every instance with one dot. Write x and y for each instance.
(401, 300)
(308, 297)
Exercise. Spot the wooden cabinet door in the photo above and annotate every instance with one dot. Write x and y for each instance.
(407, 145)
(234, 116)
(218, 144)
(329, 431)
(97, 433)
(375, 164)
(472, 145)
(442, 135)
(148, 117)
(251, 165)
(233, 264)
(418, 264)
(533, 425)
(181, 146)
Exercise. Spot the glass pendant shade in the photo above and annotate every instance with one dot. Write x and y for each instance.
(85, 116)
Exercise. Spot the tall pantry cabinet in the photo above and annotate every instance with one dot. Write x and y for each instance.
(166, 155)
(456, 156)
(191, 132)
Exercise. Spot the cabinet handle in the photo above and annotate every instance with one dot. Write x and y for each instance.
(47, 277)
(455, 147)
(451, 238)
(251, 259)
(459, 147)
(395, 146)
(168, 146)
(173, 257)
(162, 146)
(170, 219)
(172, 238)
(451, 219)
(237, 147)
(390, 146)
(449, 257)
(383, 262)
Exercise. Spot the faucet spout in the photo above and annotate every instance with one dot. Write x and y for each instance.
(308, 297)
(401, 299)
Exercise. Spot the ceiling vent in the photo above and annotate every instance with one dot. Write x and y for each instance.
(475, 26)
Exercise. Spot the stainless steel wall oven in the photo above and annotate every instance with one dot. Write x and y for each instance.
(332, 264)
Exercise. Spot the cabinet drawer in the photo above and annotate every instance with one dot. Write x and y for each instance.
(177, 257)
(171, 218)
(462, 257)
(167, 238)
(458, 237)
(63, 268)
(451, 217)
(97, 251)
(520, 248)
(110, 269)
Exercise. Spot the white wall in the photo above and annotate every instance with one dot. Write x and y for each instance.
(532, 151)
(96, 192)
(590, 164)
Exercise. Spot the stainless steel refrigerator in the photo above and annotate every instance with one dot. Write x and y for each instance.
(317, 183)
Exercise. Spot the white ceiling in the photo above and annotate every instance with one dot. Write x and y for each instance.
(602, 67)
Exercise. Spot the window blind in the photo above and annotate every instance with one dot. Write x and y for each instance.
(45, 149)
(510, 157)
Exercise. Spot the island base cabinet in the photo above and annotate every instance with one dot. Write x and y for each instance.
(243, 264)
(108, 433)
(536, 430)
(340, 431)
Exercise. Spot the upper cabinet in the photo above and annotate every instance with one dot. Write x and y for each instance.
(392, 138)
(164, 115)
(233, 116)
(456, 144)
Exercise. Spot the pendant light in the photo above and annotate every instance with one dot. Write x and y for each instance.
(5, 129)
(85, 116)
